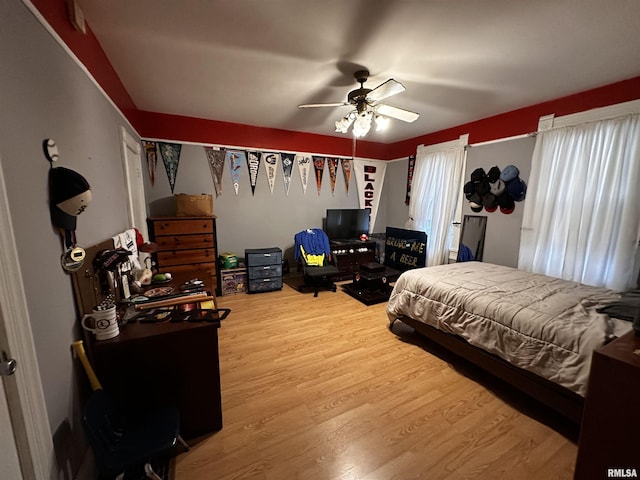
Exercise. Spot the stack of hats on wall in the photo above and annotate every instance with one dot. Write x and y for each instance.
(495, 189)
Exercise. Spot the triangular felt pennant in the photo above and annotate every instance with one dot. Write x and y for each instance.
(271, 161)
(287, 167)
(333, 168)
(170, 153)
(304, 166)
(151, 152)
(235, 158)
(318, 166)
(253, 164)
(215, 158)
(346, 172)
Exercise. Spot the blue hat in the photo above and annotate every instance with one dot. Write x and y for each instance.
(517, 189)
(509, 173)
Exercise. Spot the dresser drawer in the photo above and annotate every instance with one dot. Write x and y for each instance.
(180, 257)
(182, 227)
(184, 242)
(265, 271)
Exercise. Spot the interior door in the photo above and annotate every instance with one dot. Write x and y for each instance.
(136, 201)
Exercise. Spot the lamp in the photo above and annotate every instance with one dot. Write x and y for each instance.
(361, 122)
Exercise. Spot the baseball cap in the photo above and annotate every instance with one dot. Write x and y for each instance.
(69, 196)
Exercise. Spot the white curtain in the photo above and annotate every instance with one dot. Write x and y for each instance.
(581, 220)
(435, 193)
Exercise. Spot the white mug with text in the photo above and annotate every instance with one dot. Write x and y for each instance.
(105, 323)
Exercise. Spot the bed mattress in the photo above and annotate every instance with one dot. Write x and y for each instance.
(545, 325)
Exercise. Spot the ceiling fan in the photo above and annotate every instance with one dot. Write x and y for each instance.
(367, 106)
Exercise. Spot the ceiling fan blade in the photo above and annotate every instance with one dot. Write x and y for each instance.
(385, 90)
(314, 105)
(395, 112)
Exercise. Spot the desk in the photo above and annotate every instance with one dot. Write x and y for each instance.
(164, 364)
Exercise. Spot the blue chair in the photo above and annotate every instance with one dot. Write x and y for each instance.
(126, 443)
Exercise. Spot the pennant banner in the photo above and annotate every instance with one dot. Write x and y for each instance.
(271, 161)
(287, 167)
(170, 153)
(235, 158)
(346, 172)
(318, 166)
(151, 152)
(412, 164)
(369, 179)
(253, 164)
(333, 169)
(304, 167)
(215, 159)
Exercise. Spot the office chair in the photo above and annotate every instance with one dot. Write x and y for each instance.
(128, 444)
(312, 249)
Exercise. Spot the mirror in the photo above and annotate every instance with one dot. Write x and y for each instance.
(472, 238)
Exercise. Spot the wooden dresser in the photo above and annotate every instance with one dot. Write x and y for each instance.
(185, 243)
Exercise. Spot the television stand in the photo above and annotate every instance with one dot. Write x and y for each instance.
(347, 255)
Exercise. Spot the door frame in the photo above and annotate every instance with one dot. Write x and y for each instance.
(23, 389)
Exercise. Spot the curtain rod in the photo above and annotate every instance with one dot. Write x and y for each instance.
(499, 140)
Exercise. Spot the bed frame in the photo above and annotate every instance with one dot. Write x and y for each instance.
(561, 400)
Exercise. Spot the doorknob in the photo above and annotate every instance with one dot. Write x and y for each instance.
(7, 365)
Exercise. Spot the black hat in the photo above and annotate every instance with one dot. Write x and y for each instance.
(494, 174)
(506, 203)
(469, 188)
(69, 196)
(478, 175)
(483, 188)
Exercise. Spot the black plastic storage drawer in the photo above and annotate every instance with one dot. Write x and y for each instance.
(264, 269)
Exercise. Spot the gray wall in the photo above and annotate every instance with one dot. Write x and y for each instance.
(261, 220)
(502, 239)
(44, 94)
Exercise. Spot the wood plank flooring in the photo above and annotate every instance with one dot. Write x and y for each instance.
(319, 388)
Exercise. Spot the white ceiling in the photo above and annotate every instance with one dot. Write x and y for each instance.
(254, 61)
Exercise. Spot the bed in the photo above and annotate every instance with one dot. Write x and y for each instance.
(535, 332)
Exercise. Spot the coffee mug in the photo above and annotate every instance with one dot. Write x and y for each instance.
(105, 323)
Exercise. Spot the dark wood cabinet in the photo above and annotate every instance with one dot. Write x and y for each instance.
(609, 445)
(347, 256)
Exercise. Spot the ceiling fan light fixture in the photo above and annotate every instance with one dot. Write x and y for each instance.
(382, 123)
(342, 125)
(362, 124)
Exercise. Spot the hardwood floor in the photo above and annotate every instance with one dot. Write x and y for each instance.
(319, 388)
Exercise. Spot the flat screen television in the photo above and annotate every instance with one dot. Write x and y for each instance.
(347, 224)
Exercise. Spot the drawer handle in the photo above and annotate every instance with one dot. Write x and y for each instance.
(267, 254)
(267, 267)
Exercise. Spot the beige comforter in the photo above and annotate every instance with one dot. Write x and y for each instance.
(542, 324)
